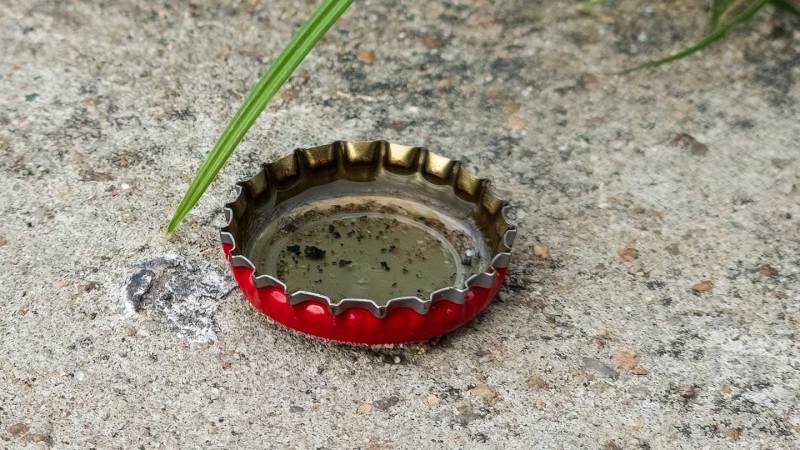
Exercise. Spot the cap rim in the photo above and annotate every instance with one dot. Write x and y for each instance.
(376, 152)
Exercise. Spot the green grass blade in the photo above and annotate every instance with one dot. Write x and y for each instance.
(786, 5)
(301, 44)
(709, 39)
(718, 7)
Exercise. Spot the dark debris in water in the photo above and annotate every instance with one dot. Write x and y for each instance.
(314, 252)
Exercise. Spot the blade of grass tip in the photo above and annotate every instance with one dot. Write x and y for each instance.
(301, 44)
(787, 6)
(718, 7)
(706, 41)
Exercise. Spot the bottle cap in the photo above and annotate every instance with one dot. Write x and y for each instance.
(368, 242)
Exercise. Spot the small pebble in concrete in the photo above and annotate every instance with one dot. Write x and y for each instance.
(484, 392)
(600, 368)
(686, 141)
(18, 429)
(768, 271)
(365, 56)
(703, 286)
(688, 391)
(541, 251)
(628, 253)
(364, 408)
(629, 362)
(432, 401)
(386, 403)
(38, 438)
(537, 382)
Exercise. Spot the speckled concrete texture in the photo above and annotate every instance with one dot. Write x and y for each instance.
(653, 301)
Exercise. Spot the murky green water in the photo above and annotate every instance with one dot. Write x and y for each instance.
(362, 255)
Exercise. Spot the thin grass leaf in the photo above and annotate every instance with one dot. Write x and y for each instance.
(710, 38)
(787, 6)
(303, 41)
(718, 8)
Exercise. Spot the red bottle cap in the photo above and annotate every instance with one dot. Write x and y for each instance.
(368, 242)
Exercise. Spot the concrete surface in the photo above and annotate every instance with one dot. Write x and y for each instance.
(654, 297)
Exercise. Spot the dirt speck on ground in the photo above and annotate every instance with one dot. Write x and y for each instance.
(703, 286)
(365, 56)
(688, 142)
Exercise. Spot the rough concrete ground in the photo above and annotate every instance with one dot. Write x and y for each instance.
(653, 301)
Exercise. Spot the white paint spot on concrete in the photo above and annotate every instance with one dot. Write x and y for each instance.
(182, 295)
